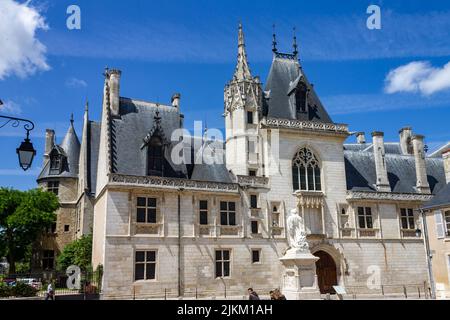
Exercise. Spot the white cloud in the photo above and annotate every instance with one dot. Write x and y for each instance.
(418, 77)
(10, 107)
(76, 83)
(21, 53)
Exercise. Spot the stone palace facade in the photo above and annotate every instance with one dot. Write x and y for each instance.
(165, 228)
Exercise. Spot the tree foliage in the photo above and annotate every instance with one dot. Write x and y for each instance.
(78, 252)
(24, 216)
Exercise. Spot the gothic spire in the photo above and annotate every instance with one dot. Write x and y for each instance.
(295, 44)
(242, 71)
(274, 40)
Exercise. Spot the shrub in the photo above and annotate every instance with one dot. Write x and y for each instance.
(23, 290)
(5, 290)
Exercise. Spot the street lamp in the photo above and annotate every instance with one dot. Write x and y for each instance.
(26, 152)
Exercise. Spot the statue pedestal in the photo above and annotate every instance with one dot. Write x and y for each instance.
(299, 279)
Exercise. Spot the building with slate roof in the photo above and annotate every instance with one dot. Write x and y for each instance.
(436, 212)
(168, 221)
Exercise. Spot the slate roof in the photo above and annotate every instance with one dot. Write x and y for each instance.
(70, 148)
(361, 174)
(283, 74)
(216, 172)
(442, 198)
(136, 120)
(389, 147)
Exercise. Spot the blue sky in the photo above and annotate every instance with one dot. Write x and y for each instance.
(189, 47)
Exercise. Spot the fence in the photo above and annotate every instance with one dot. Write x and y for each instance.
(89, 286)
(399, 291)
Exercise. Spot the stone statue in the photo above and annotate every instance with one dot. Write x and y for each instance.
(296, 232)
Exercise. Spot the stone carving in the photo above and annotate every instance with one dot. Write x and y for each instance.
(296, 232)
(306, 125)
(173, 183)
(361, 195)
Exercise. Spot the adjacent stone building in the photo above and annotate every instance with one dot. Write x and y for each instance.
(437, 215)
(164, 227)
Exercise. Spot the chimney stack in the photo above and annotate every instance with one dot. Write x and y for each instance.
(361, 137)
(114, 90)
(446, 157)
(49, 143)
(421, 169)
(176, 100)
(405, 140)
(380, 162)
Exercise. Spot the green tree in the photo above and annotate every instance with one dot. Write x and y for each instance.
(78, 252)
(24, 216)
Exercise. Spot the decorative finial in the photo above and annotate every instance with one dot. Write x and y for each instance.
(86, 106)
(71, 118)
(295, 43)
(274, 41)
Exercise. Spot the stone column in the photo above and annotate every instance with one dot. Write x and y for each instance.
(446, 157)
(405, 140)
(114, 90)
(49, 143)
(380, 162)
(421, 169)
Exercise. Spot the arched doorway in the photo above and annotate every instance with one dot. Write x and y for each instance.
(326, 272)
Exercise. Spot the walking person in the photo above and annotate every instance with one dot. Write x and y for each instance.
(50, 295)
(252, 295)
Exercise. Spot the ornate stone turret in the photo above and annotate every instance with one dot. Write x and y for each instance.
(243, 99)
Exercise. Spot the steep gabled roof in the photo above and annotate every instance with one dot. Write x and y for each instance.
(284, 73)
(70, 149)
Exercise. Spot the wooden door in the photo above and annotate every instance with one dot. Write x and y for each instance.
(326, 272)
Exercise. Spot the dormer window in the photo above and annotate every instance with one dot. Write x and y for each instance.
(155, 157)
(55, 164)
(301, 98)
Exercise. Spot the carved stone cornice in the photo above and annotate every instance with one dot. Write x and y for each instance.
(250, 181)
(333, 128)
(172, 183)
(310, 199)
(387, 196)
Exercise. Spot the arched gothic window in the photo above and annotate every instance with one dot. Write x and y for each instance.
(306, 171)
(155, 157)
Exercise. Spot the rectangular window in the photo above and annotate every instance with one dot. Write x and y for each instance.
(249, 117)
(447, 222)
(251, 147)
(254, 225)
(407, 218)
(365, 218)
(252, 173)
(145, 265)
(253, 201)
(66, 228)
(203, 213)
(53, 186)
(48, 259)
(51, 229)
(146, 210)
(223, 261)
(256, 256)
(227, 213)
